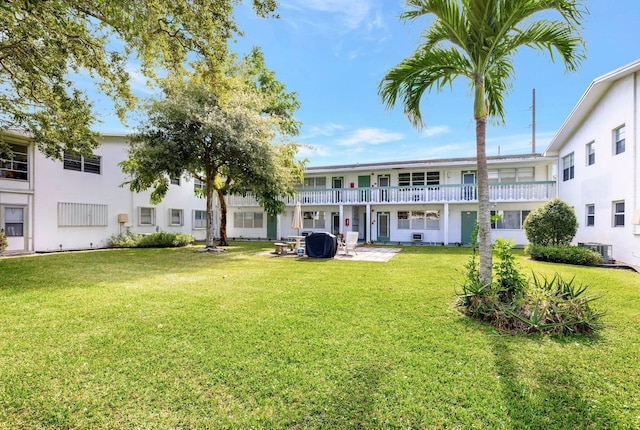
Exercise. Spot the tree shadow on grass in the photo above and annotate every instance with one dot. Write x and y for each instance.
(350, 405)
(549, 396)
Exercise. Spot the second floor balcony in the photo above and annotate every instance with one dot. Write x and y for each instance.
(459, 193)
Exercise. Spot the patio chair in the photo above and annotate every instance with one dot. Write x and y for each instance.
(351, 242)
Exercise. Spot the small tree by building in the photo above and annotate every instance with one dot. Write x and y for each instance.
(229, 132)
(553, 223)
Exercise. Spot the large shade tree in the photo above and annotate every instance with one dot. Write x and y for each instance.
(46, 45)
(231, 133)
(476, 40)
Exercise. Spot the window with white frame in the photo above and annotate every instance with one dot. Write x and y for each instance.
(314, 183)
(313, 219)
(80, 163)
(619, 140)
(146, 216)
(618, 214)
(198, 184)
(567, 167)
(174, 181)
(419, 220)
(176, 217)
(508, 220)
(14, 221)
(590, 151)
(199, 219)
(517, 174)
(248, 219)
(16, 167)
(418, 178)
(433, 178)
(590, 214)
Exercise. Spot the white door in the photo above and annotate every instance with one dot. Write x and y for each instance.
(14, 226)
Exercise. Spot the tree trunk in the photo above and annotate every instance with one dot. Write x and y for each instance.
(223, 219)
(484, 213)
(210, 232)
(480, 113)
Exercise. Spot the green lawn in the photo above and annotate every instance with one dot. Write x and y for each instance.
(175, 339)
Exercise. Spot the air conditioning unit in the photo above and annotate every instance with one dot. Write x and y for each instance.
(417, 237)
(605, 250)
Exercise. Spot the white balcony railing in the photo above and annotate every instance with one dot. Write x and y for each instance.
(498, 192)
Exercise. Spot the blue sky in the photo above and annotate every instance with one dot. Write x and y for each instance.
(334, 53)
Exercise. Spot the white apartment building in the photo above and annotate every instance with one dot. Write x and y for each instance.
(424, 202)
(79, 203)
(599, 165)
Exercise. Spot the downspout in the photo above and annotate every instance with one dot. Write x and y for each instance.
(635, 146)
(32, 206)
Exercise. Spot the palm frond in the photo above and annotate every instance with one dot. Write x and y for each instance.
(424, 70)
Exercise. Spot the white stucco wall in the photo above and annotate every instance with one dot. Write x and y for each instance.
(612, 177)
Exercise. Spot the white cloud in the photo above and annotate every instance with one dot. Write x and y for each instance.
(351, 13)
(435, 131)
(308, 151)
(328, 129)
(372, 136)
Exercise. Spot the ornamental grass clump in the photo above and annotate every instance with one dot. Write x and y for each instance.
(514, 304)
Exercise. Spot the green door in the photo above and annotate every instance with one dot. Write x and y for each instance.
(272, 228)
(383, 227)
(469, 219)
(364, 182)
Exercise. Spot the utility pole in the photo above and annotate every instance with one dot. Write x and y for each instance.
(533, 123)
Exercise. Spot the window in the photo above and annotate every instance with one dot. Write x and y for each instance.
(199, 219)
(175, 181)
(591, 153)
(519, 174)
(509, 220)
(433, 178)
(80, 163)
(313, 219)
(419, 220)
(176, 217)
(315, 183)
(146, 216)
(14, 222)
(82, 215)
(404, 179)
(567, 167)
(590, 211)
(16, 167)
(247, 219)
(618, 140)
(418, 178)
(198, 184)
(618, 214)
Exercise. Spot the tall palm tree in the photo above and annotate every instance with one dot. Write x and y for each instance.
(476, 40)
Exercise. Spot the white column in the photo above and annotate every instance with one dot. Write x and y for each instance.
(445, 221)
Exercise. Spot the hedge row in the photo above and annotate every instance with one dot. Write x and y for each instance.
(563, 254)
(154, 240)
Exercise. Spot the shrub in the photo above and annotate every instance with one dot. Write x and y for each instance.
(553, 223)
(4, 244)
(155, 240)
(509, 282)
(564, 254)
(513, 304)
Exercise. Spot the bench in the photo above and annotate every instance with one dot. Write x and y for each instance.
(281, 248)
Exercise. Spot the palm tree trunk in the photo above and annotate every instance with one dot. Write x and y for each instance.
(480, 113)
(484, 214)
(223, 219)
